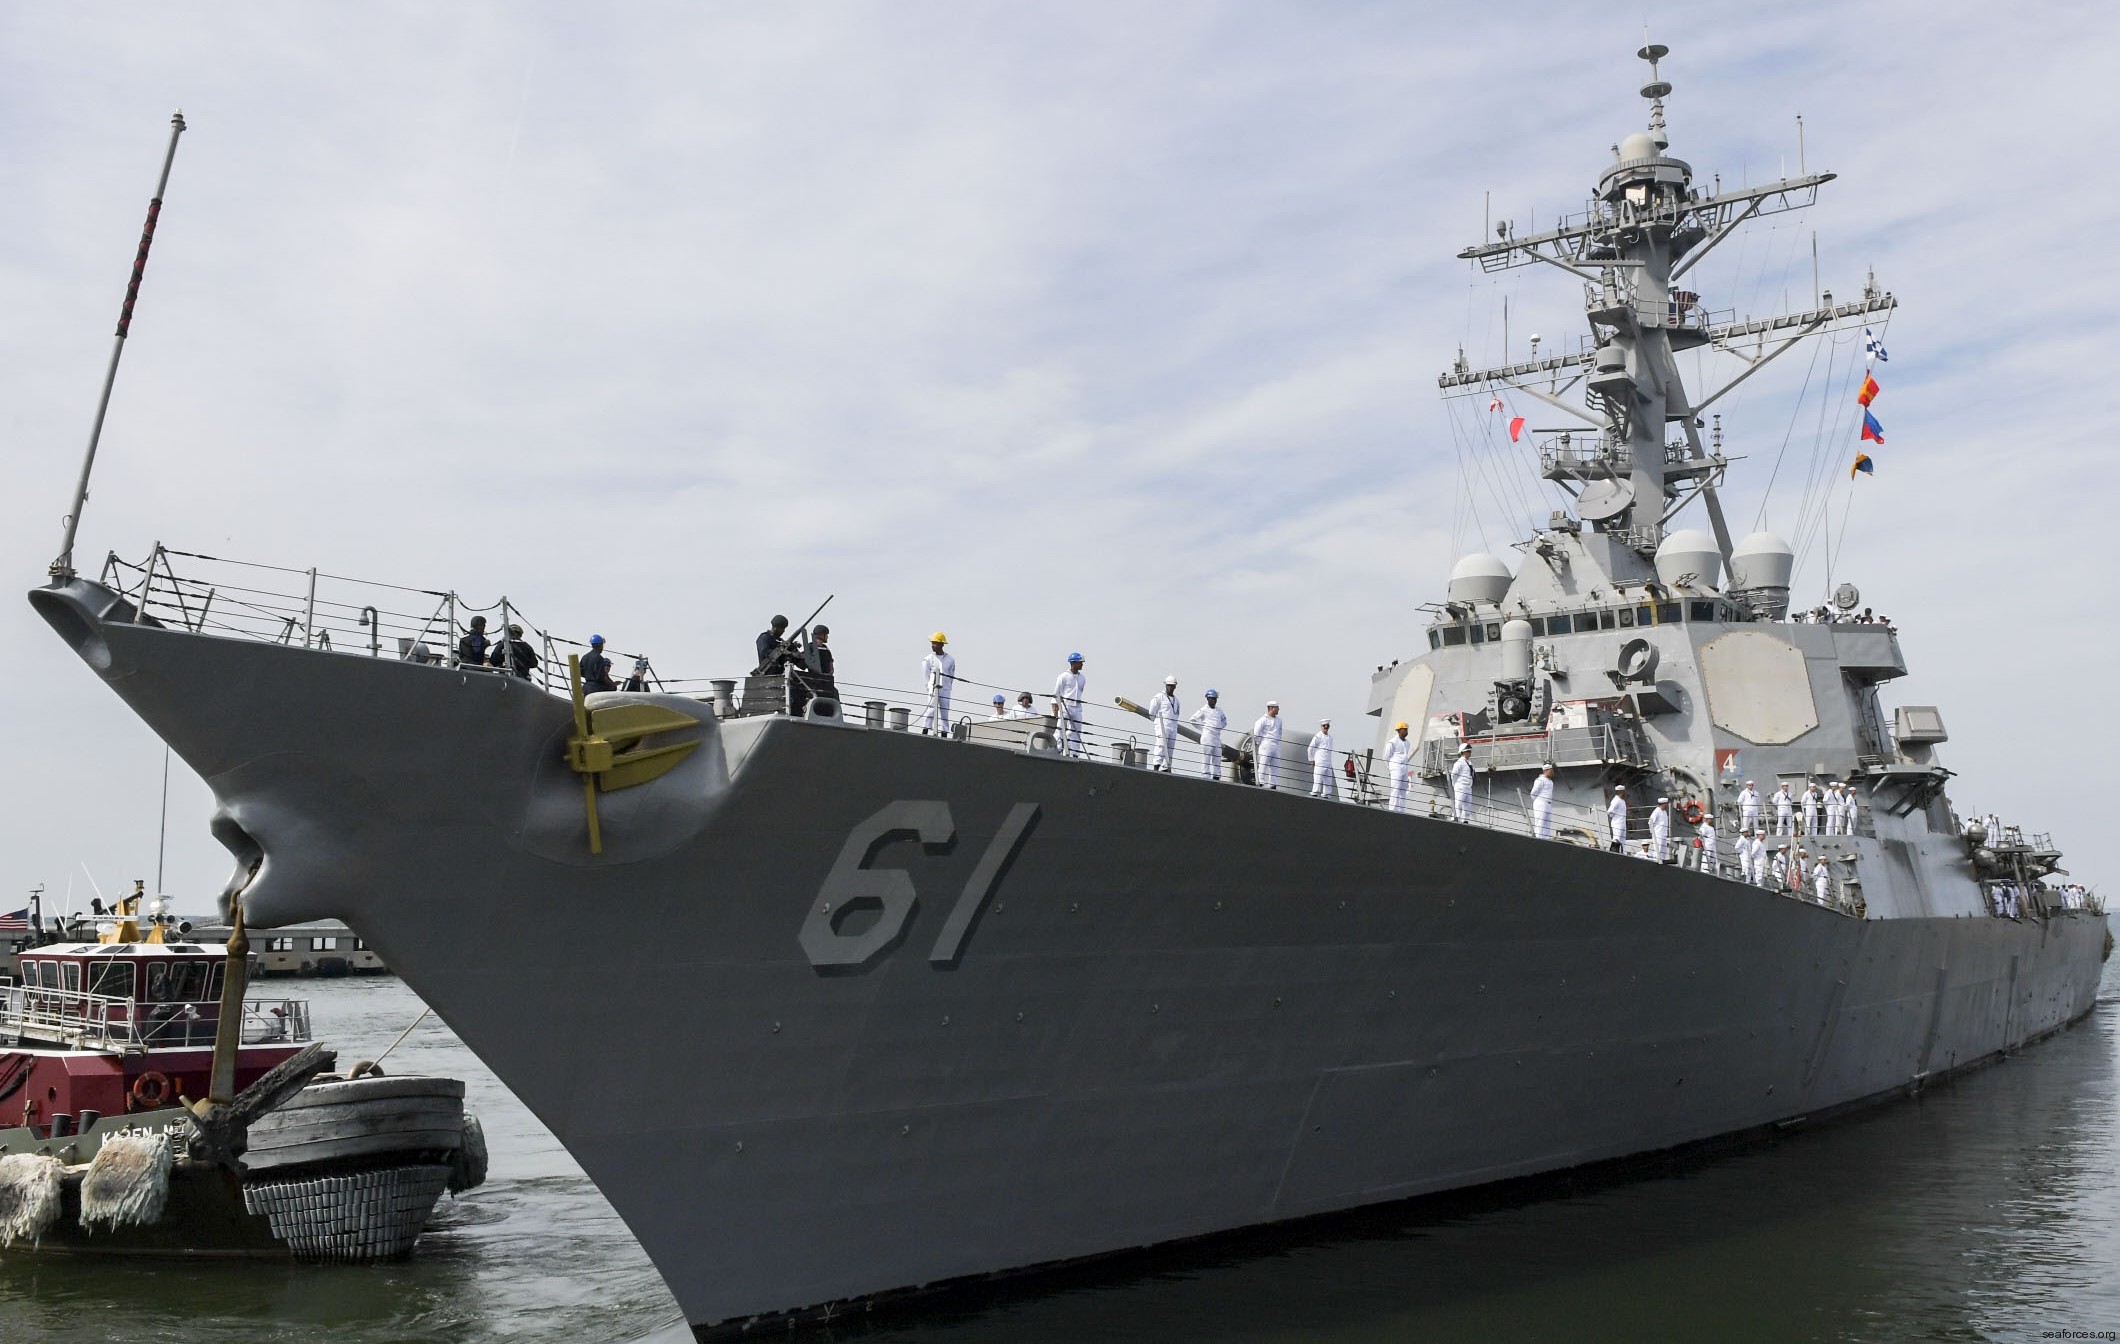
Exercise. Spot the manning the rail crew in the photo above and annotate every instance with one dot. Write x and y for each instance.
(772, 647)
(938, 674)
(1068, 691)
(1398, 764)
(1710, 853)
(1266, 747)
(471, 649)
(1542, 804)
(813, 674)
(1210, 720)
(1025, 708)
(1322, 782)
(1660, 831)
(515, 654)
(596, 668)
(1748, 808)
(1163, 714)
(1616, 818)
(1000, 707)
(1461, 784)
(1813, 801)
(1784, 810)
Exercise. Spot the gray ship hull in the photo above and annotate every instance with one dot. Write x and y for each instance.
(1119, 1009)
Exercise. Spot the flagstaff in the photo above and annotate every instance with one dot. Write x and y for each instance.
(62, 568)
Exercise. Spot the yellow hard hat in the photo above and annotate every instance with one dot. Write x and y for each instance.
(938, 638)
(1399, 726)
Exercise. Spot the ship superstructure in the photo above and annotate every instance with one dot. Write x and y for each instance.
(931, 1008)
(1623, 651)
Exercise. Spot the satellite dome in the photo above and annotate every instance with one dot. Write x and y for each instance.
(1689, 559)
(1760, 566)
(1761, 560)
(1637, 146)
(1479, 577)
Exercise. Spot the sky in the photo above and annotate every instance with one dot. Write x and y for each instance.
(1054, 326)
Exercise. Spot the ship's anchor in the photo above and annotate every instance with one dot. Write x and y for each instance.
(606, 751)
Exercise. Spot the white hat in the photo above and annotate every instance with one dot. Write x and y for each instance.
(1273, 704)
(1663, 800)
(1464, 747)
(1619, 788)
(1171, 680)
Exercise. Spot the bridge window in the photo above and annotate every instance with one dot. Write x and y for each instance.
(1453, 635)
(1479, 634)
(1435, 639)
(187, 981)
(1538, 625)
(1604, 621)
(70, 973)
(113, 979)
(1558, 625)
(1703, 611)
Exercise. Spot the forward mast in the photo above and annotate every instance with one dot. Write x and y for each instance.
(1644, 229)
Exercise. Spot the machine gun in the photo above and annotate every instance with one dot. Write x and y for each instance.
(792, 646)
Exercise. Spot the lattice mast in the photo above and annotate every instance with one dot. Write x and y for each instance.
(1644, 229)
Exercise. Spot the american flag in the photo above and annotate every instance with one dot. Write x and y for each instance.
(17, 922)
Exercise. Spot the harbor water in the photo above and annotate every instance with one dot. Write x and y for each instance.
(1989, 1208)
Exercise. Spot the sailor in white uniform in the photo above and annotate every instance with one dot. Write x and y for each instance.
(1023, 709)
(1542, 805)
(1710, 854)
(1784, 810)
(1398, 764)
(1163, 714)
(1616, 818)
(1266, 747)
(938, 673)
(1068, 692)
(1813, 801)
(1748, 808)
(1461, 784)
(1000, 707)
(1210, 720)
(1660, 831)
(1323, 783)
(1821, 882)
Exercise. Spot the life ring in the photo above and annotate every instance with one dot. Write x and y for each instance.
(1692, 812)
(150, 1090)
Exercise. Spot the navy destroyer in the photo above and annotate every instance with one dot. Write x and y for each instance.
(951, 1005)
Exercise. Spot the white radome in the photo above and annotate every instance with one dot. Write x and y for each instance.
(1479, 577)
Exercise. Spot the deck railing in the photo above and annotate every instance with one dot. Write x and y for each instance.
(350, 616)
(106, 1022)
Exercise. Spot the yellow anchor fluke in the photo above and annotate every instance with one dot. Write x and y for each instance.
(606, 748)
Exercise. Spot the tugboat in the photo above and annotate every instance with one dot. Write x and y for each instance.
(112, 1054)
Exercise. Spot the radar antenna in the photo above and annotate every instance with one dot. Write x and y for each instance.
(1645, 227)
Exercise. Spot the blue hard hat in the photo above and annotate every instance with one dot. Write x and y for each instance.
(1000, 699)
(1212, 692)
(1074, 658)
(596, 639)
